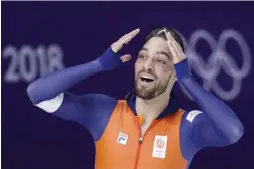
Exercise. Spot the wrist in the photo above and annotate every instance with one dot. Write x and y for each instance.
(182, 70)
(109, 59)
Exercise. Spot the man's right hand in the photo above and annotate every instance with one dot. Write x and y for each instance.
(124, 40)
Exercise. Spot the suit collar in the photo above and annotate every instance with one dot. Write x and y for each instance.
(171, 108)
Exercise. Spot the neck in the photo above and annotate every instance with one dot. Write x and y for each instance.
(151, 109)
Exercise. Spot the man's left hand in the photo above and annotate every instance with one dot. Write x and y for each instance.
(175, 49)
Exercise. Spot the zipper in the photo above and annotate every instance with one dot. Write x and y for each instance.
(140, 141)
(139, 146)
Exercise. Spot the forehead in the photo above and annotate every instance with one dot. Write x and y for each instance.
(157, 44)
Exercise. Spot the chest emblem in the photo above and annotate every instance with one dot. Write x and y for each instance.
(160, 146)
(122, 138)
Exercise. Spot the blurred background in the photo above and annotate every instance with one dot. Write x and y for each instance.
(41, 37)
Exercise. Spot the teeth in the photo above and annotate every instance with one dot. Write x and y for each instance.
(147, 77)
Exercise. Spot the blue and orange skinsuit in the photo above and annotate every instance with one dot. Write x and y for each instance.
(115, 125)
(138, 153)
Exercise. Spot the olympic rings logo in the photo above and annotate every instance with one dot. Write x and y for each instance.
(219, 59)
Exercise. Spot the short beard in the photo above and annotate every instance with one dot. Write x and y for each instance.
(143, 94)
(149, 95)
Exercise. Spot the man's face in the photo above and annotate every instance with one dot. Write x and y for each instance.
(153, 69)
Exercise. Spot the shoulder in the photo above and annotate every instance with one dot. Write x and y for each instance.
(191, 116)
(98, 102)
(89, 103)
(98, 98)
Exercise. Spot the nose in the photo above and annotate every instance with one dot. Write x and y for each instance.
(149, 66)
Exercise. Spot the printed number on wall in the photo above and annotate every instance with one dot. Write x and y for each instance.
(28, 63)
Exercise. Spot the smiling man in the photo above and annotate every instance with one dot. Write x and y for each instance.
(147, 130)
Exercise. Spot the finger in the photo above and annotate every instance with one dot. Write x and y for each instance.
(176, 50)
(125, 58)
(170, 44)
(134, 32)
(172, 40)
(173, 45)
(126, 38)
(116, 46)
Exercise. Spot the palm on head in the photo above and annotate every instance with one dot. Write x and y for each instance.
(175, 49)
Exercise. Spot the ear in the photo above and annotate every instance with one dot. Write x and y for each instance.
(172, 79)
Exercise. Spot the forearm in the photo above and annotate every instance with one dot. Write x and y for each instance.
(57, 82)
(222, 118)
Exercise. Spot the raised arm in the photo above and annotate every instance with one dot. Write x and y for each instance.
(50, 92)
(55, 83)
(215, 125)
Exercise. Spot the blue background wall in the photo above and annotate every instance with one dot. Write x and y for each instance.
(39, 37)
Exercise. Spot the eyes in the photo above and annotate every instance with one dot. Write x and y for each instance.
(140, 56)
(159, 60)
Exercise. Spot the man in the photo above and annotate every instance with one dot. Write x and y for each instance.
(147, 130)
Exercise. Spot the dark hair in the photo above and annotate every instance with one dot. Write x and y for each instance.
(176, 36)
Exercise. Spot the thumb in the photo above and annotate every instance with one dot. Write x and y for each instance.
(126, 57)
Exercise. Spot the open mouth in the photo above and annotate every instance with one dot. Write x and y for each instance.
(146, 79)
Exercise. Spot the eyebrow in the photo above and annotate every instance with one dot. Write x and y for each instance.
(159, 52)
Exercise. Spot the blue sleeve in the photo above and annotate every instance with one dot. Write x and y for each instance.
(93, 111)
(216, 126)
(55, 83)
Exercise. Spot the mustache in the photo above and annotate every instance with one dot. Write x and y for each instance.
(147, 72)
